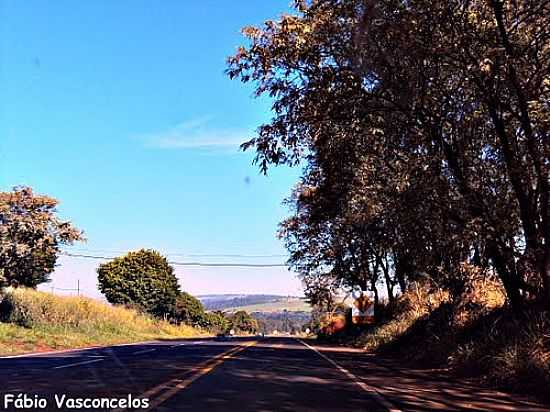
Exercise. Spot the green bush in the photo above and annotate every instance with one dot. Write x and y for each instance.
(143, 279)
(217, 322)
(242, 322)
(13, 312)
(190, 311)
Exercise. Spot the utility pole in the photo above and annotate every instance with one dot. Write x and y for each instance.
(78, 287)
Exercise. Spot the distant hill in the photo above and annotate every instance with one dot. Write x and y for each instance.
(287, 322)
(274, 312)
(255, 303)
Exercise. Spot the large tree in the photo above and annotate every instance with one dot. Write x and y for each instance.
(31, 236)
(423, 126)
(143, 279)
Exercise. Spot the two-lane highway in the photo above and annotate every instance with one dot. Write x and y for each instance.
(239, 374)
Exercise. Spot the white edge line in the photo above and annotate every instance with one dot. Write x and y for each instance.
(56, 352)
(188, 343)
(370, 390)
(139, 352)
(78, 364)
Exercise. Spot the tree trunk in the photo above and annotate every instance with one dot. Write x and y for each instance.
(537, 157)
(545, 272)
(508, 276)
(375, 290)
(399, 272)
(387, 278)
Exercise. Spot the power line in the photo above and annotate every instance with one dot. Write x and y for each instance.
(237, 255)
(195, 264)
(227, 255)
(87, 256)
(230, 265)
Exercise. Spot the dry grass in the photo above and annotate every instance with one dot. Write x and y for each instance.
(475, 334)
(417, 303)
(35, 320)
(509, 350)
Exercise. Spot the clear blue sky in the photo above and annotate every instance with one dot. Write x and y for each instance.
(121, 110)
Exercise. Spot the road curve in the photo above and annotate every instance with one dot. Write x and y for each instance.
(241, 374)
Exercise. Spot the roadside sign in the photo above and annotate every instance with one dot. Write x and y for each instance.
(362, 312)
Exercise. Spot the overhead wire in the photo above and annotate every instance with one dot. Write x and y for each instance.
(189, 264)
(228, 255)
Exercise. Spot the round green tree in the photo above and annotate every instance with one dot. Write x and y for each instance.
(189, 310)
(242, 322)
(217, 321)
(143, 279)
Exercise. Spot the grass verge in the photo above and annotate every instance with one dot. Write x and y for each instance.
(33, 321)
(475, 334)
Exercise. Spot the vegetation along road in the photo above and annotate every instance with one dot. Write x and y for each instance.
(244, 374)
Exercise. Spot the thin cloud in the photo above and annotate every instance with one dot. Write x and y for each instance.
(197, 134)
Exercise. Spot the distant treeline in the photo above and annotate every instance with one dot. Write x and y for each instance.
(285, 321)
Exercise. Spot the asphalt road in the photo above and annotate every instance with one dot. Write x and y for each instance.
(240, 374)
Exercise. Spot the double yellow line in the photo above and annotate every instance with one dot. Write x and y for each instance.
(177, 384)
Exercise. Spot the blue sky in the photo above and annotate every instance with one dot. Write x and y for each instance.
(121, 110)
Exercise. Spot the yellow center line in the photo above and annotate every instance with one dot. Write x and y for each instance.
(176, 385)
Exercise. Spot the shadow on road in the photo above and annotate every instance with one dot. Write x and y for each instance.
(274, 374)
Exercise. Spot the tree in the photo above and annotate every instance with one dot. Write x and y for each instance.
(423, 127)
(143, 279)
(31, 236)
(190, 310)
(241, 321)
(218, 322)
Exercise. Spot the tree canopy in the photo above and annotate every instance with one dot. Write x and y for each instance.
(241, 321)
(144, 279)
(189, 310)
(31, 236)
(422, 127)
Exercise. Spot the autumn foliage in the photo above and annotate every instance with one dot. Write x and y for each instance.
(31, 237)
(422, 129)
